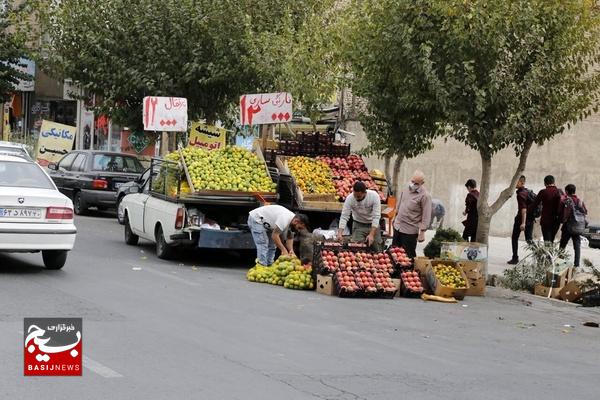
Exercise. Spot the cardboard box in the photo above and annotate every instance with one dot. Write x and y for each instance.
(325, 285)
(541, 290)
(421, 264)
(562, 276)
(571, 292)
(464, 251)
(444, 291)
(397, 286)
(476, 275)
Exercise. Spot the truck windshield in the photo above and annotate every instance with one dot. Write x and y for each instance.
(116, 163)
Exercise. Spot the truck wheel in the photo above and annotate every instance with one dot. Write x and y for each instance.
(130, 237)
(79, 205)
(163, 249)
(54, 259)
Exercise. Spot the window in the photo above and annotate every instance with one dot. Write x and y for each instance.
(116, 163)
(21, 174)
(65, 163)
(79, 163)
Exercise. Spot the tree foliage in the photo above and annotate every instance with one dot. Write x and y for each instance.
(11, 50)
(504, 74)
(209, 51)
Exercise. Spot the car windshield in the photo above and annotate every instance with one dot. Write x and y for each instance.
(23, 174)
(116, 163)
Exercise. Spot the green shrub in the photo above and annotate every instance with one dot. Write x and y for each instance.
(432, 250)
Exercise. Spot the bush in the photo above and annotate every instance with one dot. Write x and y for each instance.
(433, 248)
(532, 269)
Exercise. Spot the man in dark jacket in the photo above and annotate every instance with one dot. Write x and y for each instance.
(470, 223)
(567, 204)
(523, 222)
(549, 198)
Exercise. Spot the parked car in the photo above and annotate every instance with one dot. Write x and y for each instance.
(92, 178)
(592, 233)
(14, 149)
(129, 188)
(34, 215)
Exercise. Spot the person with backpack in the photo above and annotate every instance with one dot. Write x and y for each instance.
(573, 212)
(549, 199)
(470, 212)
(523, 221)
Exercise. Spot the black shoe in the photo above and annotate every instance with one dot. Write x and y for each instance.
(513, 261)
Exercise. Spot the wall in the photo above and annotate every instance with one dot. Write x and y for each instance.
(573, 157)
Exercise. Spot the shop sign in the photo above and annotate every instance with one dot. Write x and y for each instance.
(165, 114)
(207, 136)
(54, 142)
(138, 143)
(268, 108)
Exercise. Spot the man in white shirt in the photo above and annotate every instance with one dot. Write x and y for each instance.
(365, 207)
(268, 224)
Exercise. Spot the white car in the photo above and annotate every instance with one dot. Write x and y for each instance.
(34, 215)
(14, 149)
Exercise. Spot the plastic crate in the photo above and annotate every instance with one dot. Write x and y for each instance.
(406, 292)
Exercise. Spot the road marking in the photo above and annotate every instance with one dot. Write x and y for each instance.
(166, 275)
(100, 369)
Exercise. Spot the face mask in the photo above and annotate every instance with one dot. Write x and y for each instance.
(413, 186)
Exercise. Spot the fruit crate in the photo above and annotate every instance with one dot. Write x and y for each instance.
(343, 292)
(406, 291)
(395, 253)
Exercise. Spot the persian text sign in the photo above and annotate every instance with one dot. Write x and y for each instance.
(53, 346)
(269, 108)
(54, 142)
(207, 136)
(166, 114)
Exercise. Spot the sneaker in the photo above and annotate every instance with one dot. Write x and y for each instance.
(513, 261)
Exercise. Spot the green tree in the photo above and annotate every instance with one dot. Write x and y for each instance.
(11, 50)
(506, 74)
(209, 51)
(400, 115)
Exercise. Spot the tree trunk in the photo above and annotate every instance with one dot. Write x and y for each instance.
(387, 161)
(486, 211)
(396, 174)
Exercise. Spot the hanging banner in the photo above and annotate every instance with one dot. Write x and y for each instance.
(269, 108)
(165, 114)
(54, 142)
(207, 136)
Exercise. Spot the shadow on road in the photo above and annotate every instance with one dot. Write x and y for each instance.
(10, 264)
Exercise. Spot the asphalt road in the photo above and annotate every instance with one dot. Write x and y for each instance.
(195, 328)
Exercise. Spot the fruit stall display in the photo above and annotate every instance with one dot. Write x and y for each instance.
(399, 257)
(450, 276)
(286, 271)
(357, 273)
(231, 168)
(312, 176)
(346, 171)
(411, 284)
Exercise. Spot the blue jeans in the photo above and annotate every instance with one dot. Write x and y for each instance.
(265, 246)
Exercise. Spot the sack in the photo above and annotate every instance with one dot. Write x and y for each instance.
(531, 196)
(577, 222)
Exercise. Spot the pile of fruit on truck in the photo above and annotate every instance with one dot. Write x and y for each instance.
(331, 175)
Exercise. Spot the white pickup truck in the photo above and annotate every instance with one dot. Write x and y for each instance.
(172, 220)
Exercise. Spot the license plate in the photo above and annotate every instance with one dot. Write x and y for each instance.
(8, 212)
